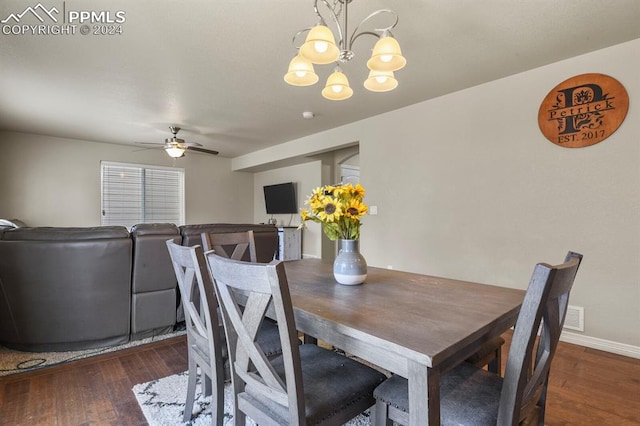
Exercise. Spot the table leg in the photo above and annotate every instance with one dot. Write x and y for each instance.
(424, 395)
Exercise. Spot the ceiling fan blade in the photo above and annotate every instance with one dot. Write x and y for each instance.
(190, 144)
(146, 149)
(149, 143)
(206, 151)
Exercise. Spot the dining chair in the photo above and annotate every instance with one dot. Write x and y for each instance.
(470, 395)
(306, 384)
(233, 245)
(205, 336)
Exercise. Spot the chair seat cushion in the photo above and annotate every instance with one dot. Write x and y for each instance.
(468, 395)
(333, 384)
(269, 338)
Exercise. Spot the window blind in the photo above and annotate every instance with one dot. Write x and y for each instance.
(141, 194)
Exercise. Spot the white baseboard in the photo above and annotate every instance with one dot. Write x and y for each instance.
(601, 344)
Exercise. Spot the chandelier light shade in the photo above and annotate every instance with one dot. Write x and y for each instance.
(386, 55)
(337, 88)
(380, 81)
(320, 47)
(301, 72)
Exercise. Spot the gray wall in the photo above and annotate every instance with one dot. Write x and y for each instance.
(467, 187)
(48, 181)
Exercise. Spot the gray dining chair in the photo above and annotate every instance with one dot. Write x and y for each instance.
(307, 384)
(472, 396)
(232, 245)
(207, 351)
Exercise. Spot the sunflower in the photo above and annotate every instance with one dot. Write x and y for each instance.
(356, 209)
(358, 191)
(331, 210)
(314, 200)
(337, 190)
(305, 215)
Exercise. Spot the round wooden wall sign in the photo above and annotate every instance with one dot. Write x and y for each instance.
(583, 110)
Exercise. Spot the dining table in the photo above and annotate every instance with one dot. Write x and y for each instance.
(414, 325)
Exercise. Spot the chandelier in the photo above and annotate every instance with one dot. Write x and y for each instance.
(320, 48)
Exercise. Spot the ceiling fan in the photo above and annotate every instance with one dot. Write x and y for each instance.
(176, 147)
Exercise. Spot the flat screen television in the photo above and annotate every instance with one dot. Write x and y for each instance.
(280, 198)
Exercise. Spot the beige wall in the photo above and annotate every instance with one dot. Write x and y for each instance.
(467, 187)
(48, 181)
(483, 195)
(306, 177)
(317, 170)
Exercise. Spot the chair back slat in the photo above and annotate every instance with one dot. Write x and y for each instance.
(543, 309)
(200, 312)
(232, 245)
(204, 334)
(266, 289)
(246, 349)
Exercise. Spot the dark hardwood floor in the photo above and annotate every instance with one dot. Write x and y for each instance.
(587, 387)
(92, 391)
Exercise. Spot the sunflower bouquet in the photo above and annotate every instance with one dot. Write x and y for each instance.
(338, 208)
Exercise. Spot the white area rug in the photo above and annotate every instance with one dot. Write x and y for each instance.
(162, 402)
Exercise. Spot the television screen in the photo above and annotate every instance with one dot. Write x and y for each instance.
(280, 198)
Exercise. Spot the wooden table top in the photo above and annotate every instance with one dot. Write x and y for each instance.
(420, 317)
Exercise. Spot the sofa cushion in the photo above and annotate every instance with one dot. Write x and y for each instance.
(65, 234)
(152, 267)
(142, 229)
(153, 281)
(153, 313)
(65, 288)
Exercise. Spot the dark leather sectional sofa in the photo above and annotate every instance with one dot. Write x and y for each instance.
(79, 288)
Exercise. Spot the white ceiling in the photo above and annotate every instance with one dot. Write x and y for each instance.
(216, 67)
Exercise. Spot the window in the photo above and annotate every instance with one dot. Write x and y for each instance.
(133, 193)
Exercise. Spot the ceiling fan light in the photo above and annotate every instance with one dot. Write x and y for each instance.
(386, 55)
(320, 46)
(337, 87)
(175, 151)
(300, 72)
